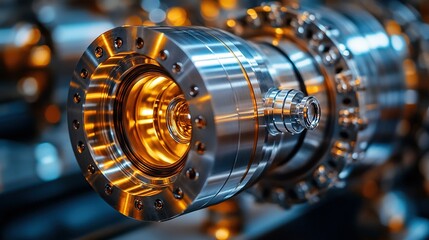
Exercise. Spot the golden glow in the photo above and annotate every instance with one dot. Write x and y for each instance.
(177, 16)
(266, 8)
(222, 233)
(157, 44)
(40, 56)
(370, 189)
(133, 20)
(107, 48)
(314, 89)
(392, 27)
(52, 114)
(228, 4)
(231, 23)
(156, 123)
(209, 9)
(275, 42)
(411, 73)
(148, 23)
(396, 224)
(34, 36)
(27, 35)
(252, 13)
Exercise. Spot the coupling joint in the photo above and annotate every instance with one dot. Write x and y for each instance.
(289, 111)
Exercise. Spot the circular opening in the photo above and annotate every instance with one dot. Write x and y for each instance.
(154, 122)
(194, 91)
(200, 122)
(201, 147)
(139, 43)
(76, 98)
(76, 124)
(138, 204)
(80, 147)
(98, 52)
(178, 193)
(118, 42)
(91, 169)
(159, 204)
(108, 189)
(191, 174)
(84, 73)
(177, 67)
(311, 113)
(163, 54)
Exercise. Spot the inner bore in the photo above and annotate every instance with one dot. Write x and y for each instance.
(155, 124)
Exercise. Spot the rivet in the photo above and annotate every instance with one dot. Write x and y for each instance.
(191, 174)
(177, 67)
(178, 193)
(76, 124)
(91, 169)
(76, 98)
(163, 54)
(159, 204)
(80, 147)
(84, 73)
(200, 122)
(200, 147)
(108, 189)
(139, 43)
(98, 52)
(138, 204)
(194, 91)
(118, 42)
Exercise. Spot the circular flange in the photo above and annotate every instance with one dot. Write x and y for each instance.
(222, 111)
(338, 67)
(97, 148)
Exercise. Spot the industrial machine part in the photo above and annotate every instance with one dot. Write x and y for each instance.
(168, 120)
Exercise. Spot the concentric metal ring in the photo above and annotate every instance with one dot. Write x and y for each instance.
(226, 104)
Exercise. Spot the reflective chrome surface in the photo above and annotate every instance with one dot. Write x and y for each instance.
(291, 112)
(122, 97)
(167, 120)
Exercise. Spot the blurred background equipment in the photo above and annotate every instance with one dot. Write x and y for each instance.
(370, 148)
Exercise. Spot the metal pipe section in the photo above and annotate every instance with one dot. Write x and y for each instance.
(168, 120)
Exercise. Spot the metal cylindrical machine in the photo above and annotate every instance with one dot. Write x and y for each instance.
(168, 120)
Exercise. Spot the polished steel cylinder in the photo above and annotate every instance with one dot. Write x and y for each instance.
(175, 117)
(168, 120)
